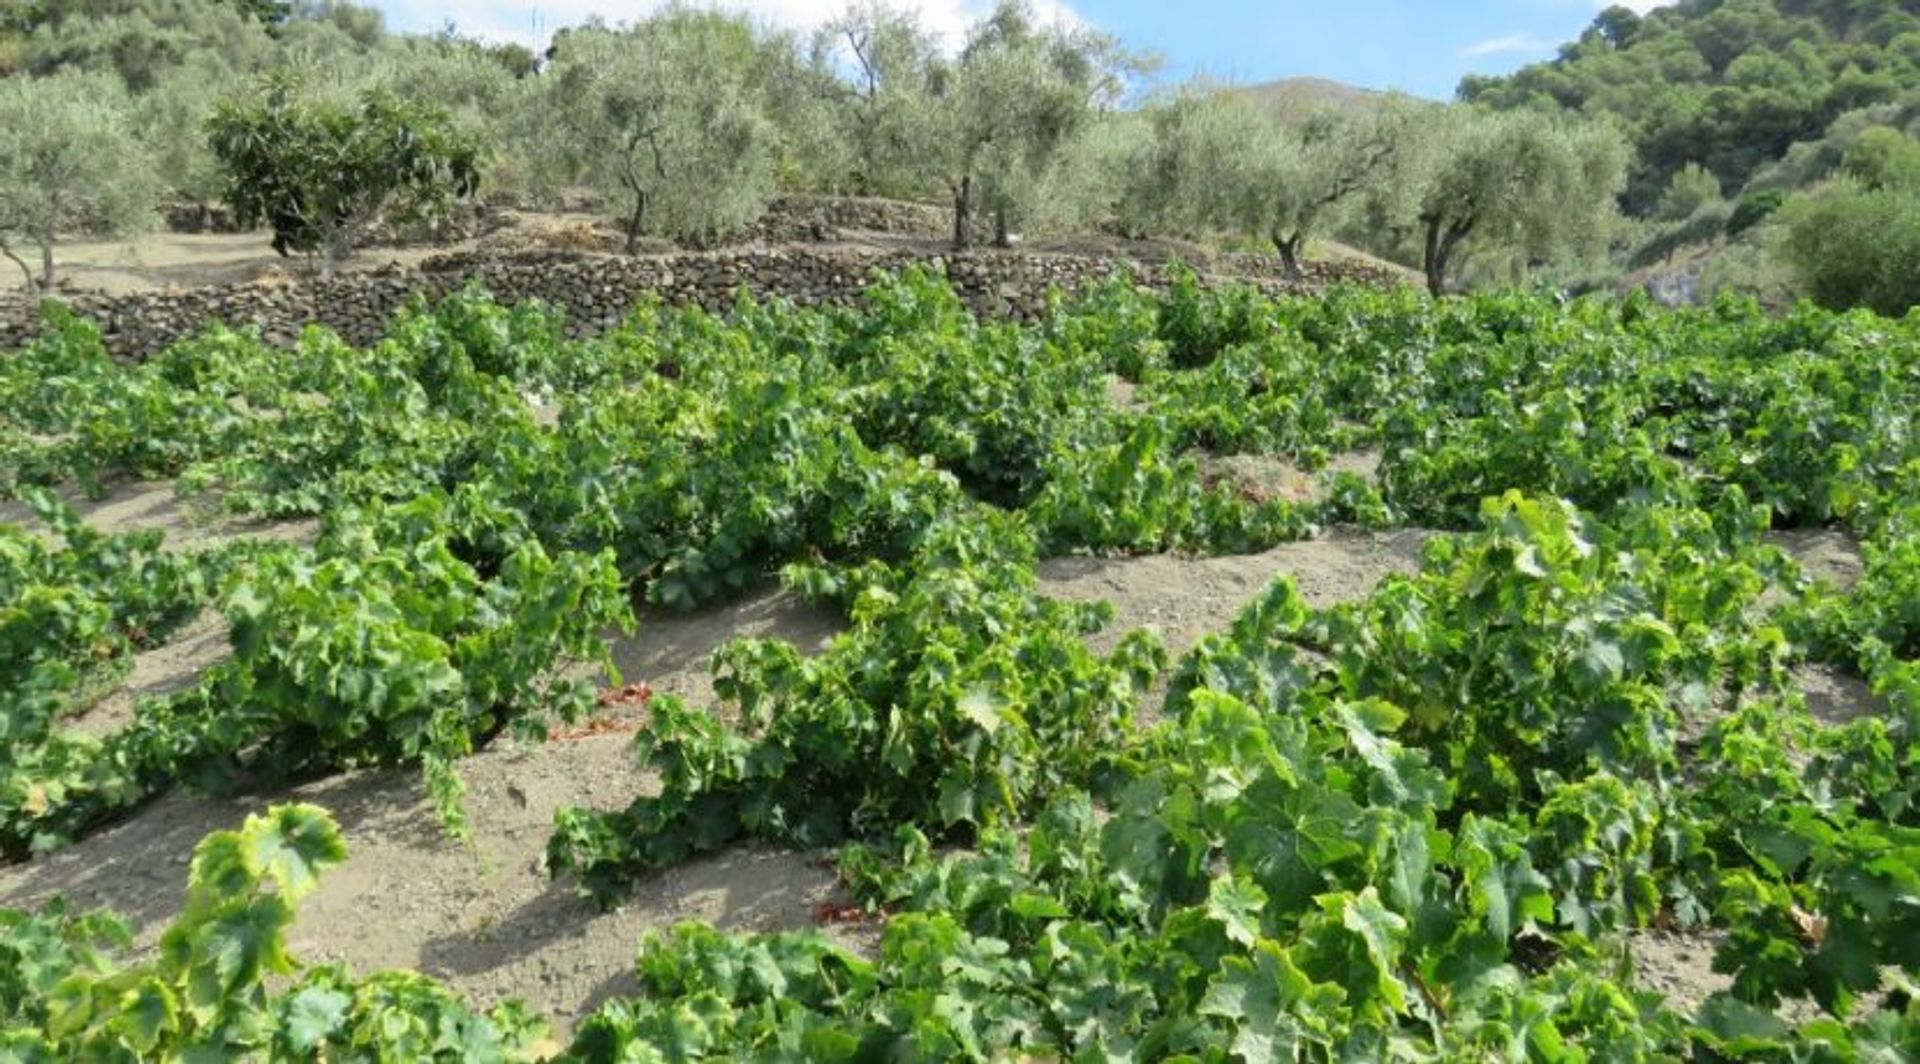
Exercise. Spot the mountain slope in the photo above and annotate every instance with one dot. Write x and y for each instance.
(1729, 84)
(1293, 100)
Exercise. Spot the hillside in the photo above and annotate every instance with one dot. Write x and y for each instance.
(1294, 99)
(1728, 84)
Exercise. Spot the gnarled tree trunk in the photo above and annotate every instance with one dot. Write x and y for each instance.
(25, 270)
(1289, 249)
(46, 259)
(636, 219)
(963, 212)
(1443, 239)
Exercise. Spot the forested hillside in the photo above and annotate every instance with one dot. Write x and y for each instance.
(1729, 84)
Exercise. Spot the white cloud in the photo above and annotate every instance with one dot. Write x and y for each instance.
(1510, 44)
(532, 21)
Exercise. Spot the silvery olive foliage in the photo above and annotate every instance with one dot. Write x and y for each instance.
(70, 163)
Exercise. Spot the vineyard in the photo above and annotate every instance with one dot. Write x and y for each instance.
(1435, 821)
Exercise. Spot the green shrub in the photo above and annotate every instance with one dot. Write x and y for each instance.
(1754, 209)
(1857, 247)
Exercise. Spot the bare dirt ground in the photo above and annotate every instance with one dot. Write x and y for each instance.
(159, 261)
(1823, 554)
(167, 260)
(1266, 477)
(1184, 599)
(1679, 966)
(484, 916)
(1829, 556)
(157, 505)
(162, 260)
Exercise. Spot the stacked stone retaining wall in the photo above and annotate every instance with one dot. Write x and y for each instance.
(595, 290)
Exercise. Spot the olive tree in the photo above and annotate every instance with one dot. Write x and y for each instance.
(173, 122)
(319, 168)
(140, 40)
(665, 118)
(1193, 170)
(69, 162)
(877, 63)
(1006, 112)
(1217, 162)
(1533, 186)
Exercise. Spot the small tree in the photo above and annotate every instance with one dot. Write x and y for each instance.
(173, 121)
(1692, 187)
(320, 170)
(1012, 107)
(140, 40)
(665, 118)
(878, 62)
(1883, 158)
(1856, 246)
(1531, 185)
(1218, 162)
(69, 161)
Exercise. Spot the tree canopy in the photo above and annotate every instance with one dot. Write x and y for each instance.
(1856, 242)
(319, 169)
(1532, 186)
(1727, 84)
(69, 163)
(668, 118)
(1219, 161)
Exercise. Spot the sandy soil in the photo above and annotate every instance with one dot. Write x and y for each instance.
(187, 524)
(140, 506)
(1186, 598)
(670, 652)
(1824, 554)
(1266, 476)
(1835, 696)
(1679, 966)
(160, 261)
(482, 916)
(173, 666)
(485, 917)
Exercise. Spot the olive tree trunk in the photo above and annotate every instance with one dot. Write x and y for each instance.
(1289, 249)
(1442, 241)
(636, 221)
(25, 270)
(963, 212)
(46, 258)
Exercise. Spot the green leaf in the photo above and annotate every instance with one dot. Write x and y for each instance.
(1029, 905)
(1237, 905)
(292, 845)
(1738, 1026)
(979, 706)
(311, 1016)
(1270, 1004)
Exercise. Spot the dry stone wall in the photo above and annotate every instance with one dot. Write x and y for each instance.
(595, 291)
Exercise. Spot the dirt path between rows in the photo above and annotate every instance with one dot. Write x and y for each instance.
(484, 916)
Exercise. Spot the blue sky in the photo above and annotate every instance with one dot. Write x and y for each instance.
(1420, 46)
